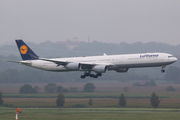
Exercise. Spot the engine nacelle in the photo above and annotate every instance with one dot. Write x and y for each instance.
(73, 66)
(122, 70)
(100, 68)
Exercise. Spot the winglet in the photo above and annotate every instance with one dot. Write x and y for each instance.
(25, 51)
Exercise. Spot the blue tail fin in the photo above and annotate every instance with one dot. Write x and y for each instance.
(25, 51)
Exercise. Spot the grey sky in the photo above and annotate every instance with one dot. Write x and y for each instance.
(104, 20)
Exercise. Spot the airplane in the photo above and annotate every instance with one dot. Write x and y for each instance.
(97, 64)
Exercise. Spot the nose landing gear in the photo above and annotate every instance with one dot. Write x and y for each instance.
(163, 69)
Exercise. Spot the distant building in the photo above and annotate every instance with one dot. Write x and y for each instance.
(75, 39)
(70, 44)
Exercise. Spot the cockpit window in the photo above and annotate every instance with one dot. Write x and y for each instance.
(170, 56)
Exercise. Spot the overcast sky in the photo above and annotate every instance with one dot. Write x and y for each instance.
(111, 21)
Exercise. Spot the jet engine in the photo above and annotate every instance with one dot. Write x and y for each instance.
(100, 68)
(73, 66)
(122, 70)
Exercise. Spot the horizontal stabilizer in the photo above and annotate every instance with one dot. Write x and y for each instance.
(20, 62)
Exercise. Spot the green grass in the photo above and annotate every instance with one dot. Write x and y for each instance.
(92, 114)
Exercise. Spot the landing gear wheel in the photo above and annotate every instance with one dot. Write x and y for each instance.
(162, 70)
(92, 75)
(95, 76)
(82, 76)
(99, 74)
(87, 74)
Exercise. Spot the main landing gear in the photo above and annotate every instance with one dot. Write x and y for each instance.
(88, 74)
(163, 69)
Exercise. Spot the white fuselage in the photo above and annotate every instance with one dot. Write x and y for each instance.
(114, 62)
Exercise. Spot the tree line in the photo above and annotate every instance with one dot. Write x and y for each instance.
(53, 88)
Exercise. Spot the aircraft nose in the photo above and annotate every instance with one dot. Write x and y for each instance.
(174, 59)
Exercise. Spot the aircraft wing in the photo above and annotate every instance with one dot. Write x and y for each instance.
(50, 60)
(60, 62)
(85, 65)
(91, 63)
(55, 61)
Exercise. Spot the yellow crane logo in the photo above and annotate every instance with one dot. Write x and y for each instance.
(23, 49)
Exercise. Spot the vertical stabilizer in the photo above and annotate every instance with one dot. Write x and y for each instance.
(25, 51)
